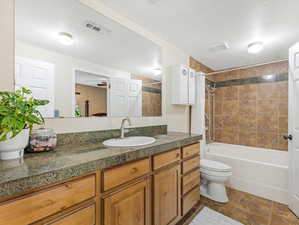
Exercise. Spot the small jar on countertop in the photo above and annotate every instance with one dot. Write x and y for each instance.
(42, 140)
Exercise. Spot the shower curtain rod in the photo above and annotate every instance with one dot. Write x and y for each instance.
(244, 67)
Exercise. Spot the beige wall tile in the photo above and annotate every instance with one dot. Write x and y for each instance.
(267, 140)
(230, 93)
(255, 114)
(283, 89)
(267, 122)
(218, 122)
(230, 107)
(283, 124)
(247, 107)
(267, 90)
(248, 92)
(283, 108)
(267, 106)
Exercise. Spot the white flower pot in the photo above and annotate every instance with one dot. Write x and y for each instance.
(14, 148)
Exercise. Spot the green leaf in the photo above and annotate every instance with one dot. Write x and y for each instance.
(18, 110)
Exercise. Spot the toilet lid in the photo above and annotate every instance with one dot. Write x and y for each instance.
(214, 165)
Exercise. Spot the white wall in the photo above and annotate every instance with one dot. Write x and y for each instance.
(64, 74)
(175, 116)
(6, 45)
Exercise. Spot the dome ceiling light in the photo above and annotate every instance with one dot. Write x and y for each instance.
(255, 47)
(65, 38)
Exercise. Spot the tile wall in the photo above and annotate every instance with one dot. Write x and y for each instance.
(254, 113)
(151, 96)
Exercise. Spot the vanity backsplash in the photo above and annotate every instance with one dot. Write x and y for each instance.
(100, 136)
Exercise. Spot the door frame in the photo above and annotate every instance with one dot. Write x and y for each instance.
(291, 112)
(73, 81)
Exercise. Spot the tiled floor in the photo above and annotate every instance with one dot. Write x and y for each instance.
(252, 210)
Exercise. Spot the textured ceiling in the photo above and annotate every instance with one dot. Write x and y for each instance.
(196, 25)
(39, 22)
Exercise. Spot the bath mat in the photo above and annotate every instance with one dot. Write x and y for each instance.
(210, 217)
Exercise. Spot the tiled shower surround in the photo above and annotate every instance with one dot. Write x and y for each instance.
(151, 96)
(250, 106)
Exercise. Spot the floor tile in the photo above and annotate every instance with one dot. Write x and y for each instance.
(252, 210)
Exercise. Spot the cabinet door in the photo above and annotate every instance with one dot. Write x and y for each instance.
(183, 82)
(191, 88)
(166, 196)
(129, 206)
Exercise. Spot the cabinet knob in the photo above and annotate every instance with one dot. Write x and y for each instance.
(134, 170)
(69, 186)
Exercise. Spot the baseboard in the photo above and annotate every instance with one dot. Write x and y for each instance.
(261, 190)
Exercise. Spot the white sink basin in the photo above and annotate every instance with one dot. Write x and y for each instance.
(129, 141)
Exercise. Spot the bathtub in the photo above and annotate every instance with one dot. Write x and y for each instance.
(259, 171)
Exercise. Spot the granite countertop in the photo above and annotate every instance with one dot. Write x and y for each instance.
(37, 170)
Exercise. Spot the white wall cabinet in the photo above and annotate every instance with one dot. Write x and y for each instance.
(183, 85)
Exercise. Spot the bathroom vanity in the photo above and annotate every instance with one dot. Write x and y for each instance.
(97, 71)
(90, 184)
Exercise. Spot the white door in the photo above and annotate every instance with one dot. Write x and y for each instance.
(135, 98)
(37, 76)
(294, 129)
(118, 97)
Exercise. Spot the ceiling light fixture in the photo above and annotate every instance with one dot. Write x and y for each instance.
(255, 47)
(157, 71)
(65, 38)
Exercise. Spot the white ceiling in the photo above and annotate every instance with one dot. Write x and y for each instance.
(89, 79)
(196, 25)
(39, 22)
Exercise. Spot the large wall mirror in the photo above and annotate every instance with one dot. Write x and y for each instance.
(84, 63)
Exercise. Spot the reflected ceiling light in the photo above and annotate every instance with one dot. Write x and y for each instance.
(157, 71)
(255, 47)
(268, 77)
(65, 38)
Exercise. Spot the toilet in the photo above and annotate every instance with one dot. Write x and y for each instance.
(214, 175)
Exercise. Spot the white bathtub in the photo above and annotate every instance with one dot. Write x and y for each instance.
(258, 171)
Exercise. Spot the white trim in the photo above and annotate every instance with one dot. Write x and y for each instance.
(95, 72)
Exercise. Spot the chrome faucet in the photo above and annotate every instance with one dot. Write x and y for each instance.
(122, 127)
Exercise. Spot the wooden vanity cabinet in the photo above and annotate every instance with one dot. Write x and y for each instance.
(167, 196)
(33, 207)
(190, 177)
(128, 206)
(157, 190)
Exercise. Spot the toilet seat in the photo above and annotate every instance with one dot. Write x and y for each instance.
(216, 173)
(210, 165)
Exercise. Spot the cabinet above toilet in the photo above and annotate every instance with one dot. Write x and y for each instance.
(183, 85)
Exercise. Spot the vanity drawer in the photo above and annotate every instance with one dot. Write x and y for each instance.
(190, 181)
(30, 208)
(122, 174)
(191, 150)
(83, 216)
(166, 158)
(190, 164)
(190, 200)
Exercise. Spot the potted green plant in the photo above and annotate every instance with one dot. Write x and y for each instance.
(18, 114)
